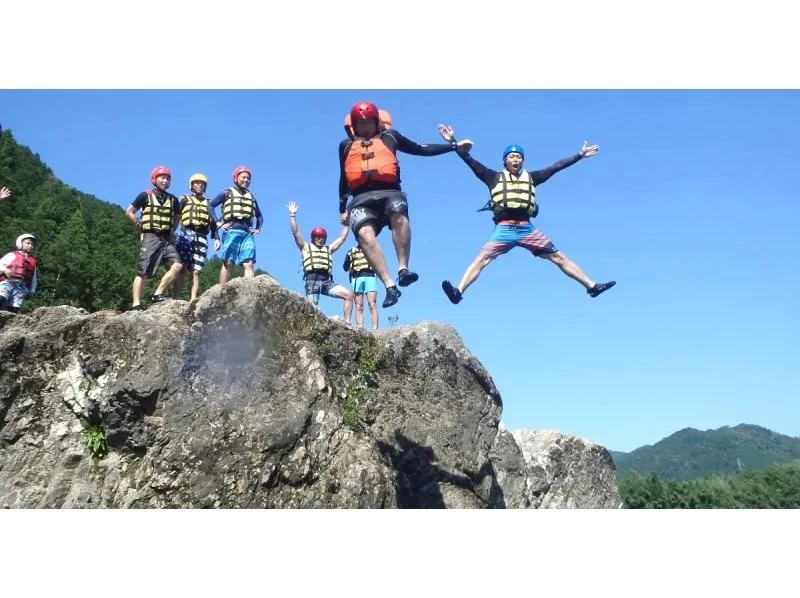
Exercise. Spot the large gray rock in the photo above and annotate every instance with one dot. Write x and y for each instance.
(565, 471)
(251, 398)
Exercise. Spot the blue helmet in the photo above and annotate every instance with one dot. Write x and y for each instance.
(513, 148)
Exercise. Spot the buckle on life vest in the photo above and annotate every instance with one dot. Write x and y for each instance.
(367, 155)
(366, 142)
(371, 173)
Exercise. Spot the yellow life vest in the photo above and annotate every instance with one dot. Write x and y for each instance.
(238, 205)
(195, 213)
(358, 261)
(157, 216)
(513, 193)
(317, 259)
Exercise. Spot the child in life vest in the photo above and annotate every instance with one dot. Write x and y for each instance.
(18, 274)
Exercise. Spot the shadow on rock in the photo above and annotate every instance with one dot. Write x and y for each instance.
(419, 480)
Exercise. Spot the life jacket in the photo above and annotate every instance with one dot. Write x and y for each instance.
(513, 193)
(157, 217)
(358, 262)
(317, 259)
(370, 161)
(23, 267)
(238, 205)
(195, 213)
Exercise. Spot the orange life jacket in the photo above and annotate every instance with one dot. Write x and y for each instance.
(370, 161)
(23, 267)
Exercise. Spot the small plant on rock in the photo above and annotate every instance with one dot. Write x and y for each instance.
(95, 441)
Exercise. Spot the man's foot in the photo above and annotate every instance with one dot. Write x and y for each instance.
(136, 308)
(392, 295)
(159, 298)
(600, 288)
(405, 277)
(452, 292)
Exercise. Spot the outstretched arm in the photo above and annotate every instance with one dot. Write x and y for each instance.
(340, 239)
(298, 238)
(540, 176)
(487, 175)
(405, 145)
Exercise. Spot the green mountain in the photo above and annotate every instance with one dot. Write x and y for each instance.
(690, 454)
(86, 249)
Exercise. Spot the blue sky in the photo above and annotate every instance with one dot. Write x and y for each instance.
(690, 206)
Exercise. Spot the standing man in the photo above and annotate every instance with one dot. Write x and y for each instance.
(369, 171)
(160, 217)
(318, 263)
(196, 223)
(239, 207)
(513, 203)
(362, 277)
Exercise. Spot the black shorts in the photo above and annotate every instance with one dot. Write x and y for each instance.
(156, 249)
(376, 207)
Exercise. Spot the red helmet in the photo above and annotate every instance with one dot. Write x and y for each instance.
(159, 170)
(319, 232)
(364, 111)
(239, 170)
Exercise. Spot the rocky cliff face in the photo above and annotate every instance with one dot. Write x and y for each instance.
(252, 398)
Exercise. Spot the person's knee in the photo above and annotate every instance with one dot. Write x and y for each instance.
(367, 232)
(483, 260)
(399, 219)
(177, 267)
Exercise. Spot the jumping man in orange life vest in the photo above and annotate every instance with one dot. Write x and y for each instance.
(318, 264)
(370, 172)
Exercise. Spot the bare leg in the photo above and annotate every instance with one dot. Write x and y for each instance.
(372, 297)
(373, 253)
(348, 306)
(138, 285)
(195, 284)
(474, 270)
(225, 272)
(169, 277)
(248, 269)
(360, 310)
(569, 268)
(401, 235)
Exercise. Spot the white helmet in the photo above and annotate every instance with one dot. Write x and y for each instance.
(21, 238)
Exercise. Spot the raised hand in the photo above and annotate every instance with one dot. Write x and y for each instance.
(292, 205)
(447, 132)
(588, 151)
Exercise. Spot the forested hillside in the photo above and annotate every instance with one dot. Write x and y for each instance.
(690, 454)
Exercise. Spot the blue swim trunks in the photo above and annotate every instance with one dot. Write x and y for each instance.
(365, 284)
(508, 234)
(238, 246)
